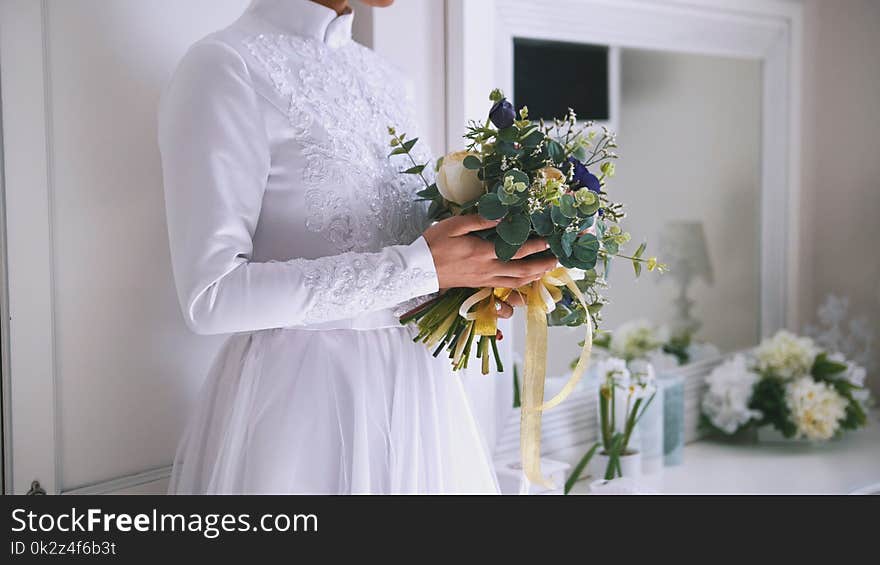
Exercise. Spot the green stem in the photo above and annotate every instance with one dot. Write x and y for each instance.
(579, 468)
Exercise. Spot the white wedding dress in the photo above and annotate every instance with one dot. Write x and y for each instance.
(291, 229)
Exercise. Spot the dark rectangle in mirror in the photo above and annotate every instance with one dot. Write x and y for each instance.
(552, 76)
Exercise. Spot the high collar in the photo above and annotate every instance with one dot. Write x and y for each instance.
(306, 18)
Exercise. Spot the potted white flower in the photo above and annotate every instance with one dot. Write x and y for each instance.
(625, 392)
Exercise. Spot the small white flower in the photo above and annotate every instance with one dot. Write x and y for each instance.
(614, 370)
(636, 339)
(730, 388)
(786, 356)
(816, 408)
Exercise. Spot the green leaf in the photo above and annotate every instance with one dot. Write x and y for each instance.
(518, 176)
(533, 139)
(472, 162)
(589, 209)
(510, 199)
(408, 145)
(566, 205)
(516, 400)
(640, 250)
(567, 241)
(398, 151)
(491, 208)
(542, 222)
(506, 148)
(429, 193)
(579, 468)
(637, 267)
(555, 242)
(586, 223)
(504, 250)
(508, 134)
(586, 251)
(414, 170)
(611, 247)
(558, 217)
(823, 368)
(556, 151)
(514, 229)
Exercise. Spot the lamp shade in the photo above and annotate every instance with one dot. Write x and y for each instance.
(683, 247)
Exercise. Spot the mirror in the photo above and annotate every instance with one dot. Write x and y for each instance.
(689, 136)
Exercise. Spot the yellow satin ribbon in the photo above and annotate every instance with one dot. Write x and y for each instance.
(541, 297)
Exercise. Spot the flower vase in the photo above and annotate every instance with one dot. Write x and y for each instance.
(630, 465)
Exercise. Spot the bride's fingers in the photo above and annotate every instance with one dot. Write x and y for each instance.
(515, 300)
(510, 282)
(503, 309)
(523, 267)
(461, 225)
(531, 247)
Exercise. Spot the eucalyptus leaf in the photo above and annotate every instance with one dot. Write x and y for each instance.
(640, 250)
(429, 193)
(558, 217)
(508, 134)
(490, 207)
(555, 151)
(517, 176)
(408, 145)
(509, 199)
(567, 241)
(504, 250)
(589, 209)
(555, 242)
(586, 223)
(514, 229)
(542, 222)
(472, 162)
(414, 170)
(506, 148)
(533, 139)
(566, 205)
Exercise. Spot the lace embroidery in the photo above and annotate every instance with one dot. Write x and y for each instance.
(340, 102)
(357, 281)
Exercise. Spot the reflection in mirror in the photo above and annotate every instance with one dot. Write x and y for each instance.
(689, 137)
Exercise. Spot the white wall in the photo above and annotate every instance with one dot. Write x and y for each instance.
(841, 165)
(411, 34)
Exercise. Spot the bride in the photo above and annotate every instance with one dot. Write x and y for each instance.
(291, 229)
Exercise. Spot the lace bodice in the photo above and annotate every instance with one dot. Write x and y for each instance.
(283, 207)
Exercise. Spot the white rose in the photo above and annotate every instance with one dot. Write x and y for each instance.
(456, 183)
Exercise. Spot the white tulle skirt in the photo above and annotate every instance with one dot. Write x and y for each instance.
(331, 411)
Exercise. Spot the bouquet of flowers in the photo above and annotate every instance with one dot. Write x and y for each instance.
(789, 383)
(538, 179)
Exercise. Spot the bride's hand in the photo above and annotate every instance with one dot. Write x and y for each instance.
(464, 260)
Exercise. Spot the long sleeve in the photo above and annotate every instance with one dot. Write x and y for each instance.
(216, 162)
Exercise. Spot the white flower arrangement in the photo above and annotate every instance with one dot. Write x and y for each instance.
(729, 393)
(786, 356)
(815, 407)
(791, 384)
